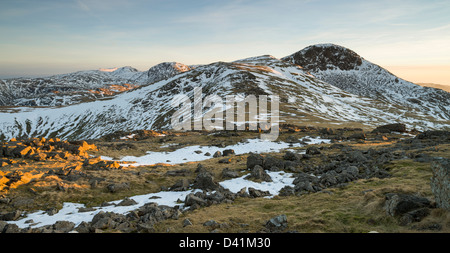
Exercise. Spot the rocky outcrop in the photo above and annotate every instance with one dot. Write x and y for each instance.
(440, 183)
(407, 208)
(397, 127)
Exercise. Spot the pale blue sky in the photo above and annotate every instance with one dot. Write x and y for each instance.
(50, 37)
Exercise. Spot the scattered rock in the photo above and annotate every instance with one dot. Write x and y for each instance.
(397, 127)
(211, 223)
(187, 222)
(312, 150)
(255, 193)
(63, 226)
(291, 156)
(181, 185)
(116, 187)
(228, 152)
(127, 202)
(357, 136)
(11, 216)
(254, 159)
(227, 173)
(259, 174)
(407, 208)
(205, 181)
(277, 223)
(192, 200)
(225, 160)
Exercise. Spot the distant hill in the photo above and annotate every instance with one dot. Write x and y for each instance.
(437, 86)
(321, 84)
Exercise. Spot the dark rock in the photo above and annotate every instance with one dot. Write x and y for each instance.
(205, 181)
(396, 127)
(414, 216)
(3, 224)
(255, 193)
(228, 152)
(287, 191)
(399, 204)
(273, 164)
(291, 156)
(63, 226)
(243, 193)
(326, 131)
(11, 229)
(127, 202)
(181, 185)
(217, 154)
(116, 187)
(187, 222)
(259, 174)
(192, 200)
(356, 157)
(254, 159)
(312, 150)
(11, 216)
(227, 173)
(434, 135)
(292, 139)
(357, 136)
(277, 223)
(211, 223)
(225, 160)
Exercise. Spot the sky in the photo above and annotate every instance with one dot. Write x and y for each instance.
(46, 37)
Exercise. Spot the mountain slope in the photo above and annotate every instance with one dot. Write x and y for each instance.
(343, 68)
(81, 86)
(304, 99)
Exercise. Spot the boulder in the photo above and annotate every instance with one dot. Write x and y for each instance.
(228, 152)
(205, 181)
(312, 150)
(357, 136)
(440, 183)
(259, 174)
(396, 127)
(227, 173)
(63, 226)
(399, 204)
(254, 159)
(291, 156)
(192, 200)
(277, 223)
(255, 193)
(116, 187)
(273, 164)
(181, 185)
(10, 216)
(127, 202)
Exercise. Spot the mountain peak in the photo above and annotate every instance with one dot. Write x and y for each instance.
(324, 57)
(165, 70)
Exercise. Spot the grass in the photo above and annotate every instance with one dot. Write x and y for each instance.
(356, 208)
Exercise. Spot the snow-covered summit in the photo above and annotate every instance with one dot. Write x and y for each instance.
(345, 69)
